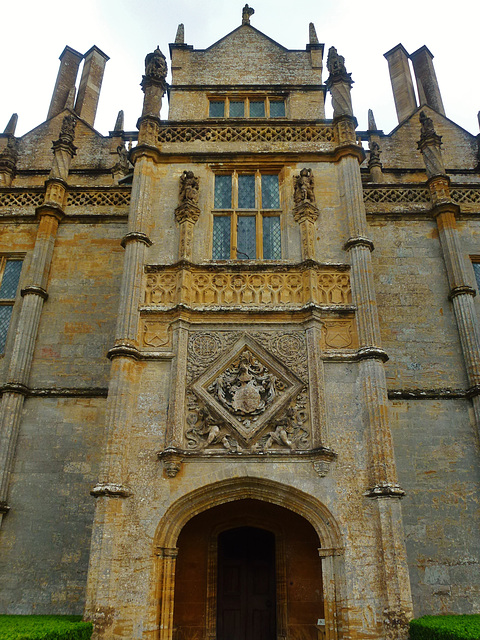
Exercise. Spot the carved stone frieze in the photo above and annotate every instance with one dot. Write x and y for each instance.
(197, 287)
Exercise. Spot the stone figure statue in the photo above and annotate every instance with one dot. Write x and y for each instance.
(335, 63)
(428, 128)
(374, 152)
(156, 65)
(189, 188)
(67, 132)
(246, 13)
(303, 185)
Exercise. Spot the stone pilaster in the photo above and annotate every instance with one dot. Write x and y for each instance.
(34, 295)
(383, 478)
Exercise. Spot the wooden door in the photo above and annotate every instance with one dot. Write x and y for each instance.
(246, 595)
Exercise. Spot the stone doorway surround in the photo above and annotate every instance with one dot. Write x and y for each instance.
(235, 489)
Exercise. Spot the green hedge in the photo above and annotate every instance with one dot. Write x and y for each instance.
(445, 628)
(44, 628)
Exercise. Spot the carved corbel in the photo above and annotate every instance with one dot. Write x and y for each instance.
(172, 461)
(305, 211)
(187, 213)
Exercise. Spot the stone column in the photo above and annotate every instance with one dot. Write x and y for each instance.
(112, 486)
(384, 488)
(34, 295)
(461, 292)
(168, 559)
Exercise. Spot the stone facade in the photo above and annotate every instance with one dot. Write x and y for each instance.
(240, 325)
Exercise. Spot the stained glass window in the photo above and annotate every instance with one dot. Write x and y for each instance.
(476, 269)
(221, 237)
(272, 243)
(246, 191)
(277, 109)
(257, 109)
(10, 276)
(223, 192)
(217, 109)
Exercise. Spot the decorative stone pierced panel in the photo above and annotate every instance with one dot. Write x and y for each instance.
(291, 287)
(247, 400)
(392, 195)
(98, 198)
(20, 199)
(246, 133)
(465, 196)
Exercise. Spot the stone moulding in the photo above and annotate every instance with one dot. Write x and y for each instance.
(320, 458)
(261, 286)
(285, 132)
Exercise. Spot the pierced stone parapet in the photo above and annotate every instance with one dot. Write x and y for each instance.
(288, 132)
(249, 287)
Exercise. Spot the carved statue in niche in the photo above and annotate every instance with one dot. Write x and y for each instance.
(206, 432)
(303, 185)
(156, 65)
(189, 188)
(246, 388)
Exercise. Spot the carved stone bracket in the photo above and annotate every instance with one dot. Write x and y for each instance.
(385, 490)
(111, 490)
(4, 508)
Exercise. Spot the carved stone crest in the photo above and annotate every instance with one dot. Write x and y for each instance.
(245, 390)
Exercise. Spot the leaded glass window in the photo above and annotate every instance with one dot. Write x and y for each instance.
(246, 224)
(247, 107)
(237, 109)
(257, 108)
(217, 109)
(9, 279)
(277, 108)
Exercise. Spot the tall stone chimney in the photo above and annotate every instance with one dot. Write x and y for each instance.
(90, 84)
(401, 79)
(67, 75)
(427, 85)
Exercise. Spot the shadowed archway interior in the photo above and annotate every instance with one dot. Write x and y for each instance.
(247, 569)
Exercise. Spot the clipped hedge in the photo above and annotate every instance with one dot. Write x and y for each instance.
(459, 627)
(44, 628)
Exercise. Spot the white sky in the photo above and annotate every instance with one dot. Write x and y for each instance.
(35, 32)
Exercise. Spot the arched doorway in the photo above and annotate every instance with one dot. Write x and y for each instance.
(248, 570)
(180, 520)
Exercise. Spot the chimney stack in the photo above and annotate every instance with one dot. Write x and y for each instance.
(67, 74)
(401, 79)
(90, 84)
(427, 85)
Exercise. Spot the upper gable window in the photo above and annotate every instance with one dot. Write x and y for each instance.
(248, 107)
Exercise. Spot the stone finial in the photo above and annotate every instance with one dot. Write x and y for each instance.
(180, 37)
(374, 162)
(312, 34)
(12, 125)
(478, 118)
(372, 125)
(336, 64)
(429, 144)
(156, 66)
(8, 162)
(122, 166)
(246, 13)
(119, 123)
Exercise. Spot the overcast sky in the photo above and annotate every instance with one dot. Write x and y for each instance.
(35, 32)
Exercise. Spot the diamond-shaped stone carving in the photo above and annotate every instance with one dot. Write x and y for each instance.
(246, 388)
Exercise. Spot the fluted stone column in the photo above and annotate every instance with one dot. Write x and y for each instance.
(34, 295)
(383, 488)
(112, 487)
(461, 292)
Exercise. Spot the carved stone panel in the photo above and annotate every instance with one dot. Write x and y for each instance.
(247, 399)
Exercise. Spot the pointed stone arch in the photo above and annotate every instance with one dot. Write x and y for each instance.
(233, 489)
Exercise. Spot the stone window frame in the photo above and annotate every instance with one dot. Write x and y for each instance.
(247, 98)
(8, 302)
(234, 213)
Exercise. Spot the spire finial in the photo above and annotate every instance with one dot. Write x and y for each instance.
(372, 125)
(312, 34)
(180, 37)
(119, 121)
(246, 13)
(12, 125)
